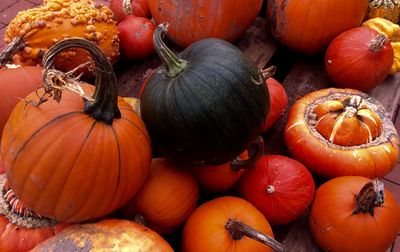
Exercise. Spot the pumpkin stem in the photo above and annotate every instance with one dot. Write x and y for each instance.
(370, 196)
(256, 150)
(104, 105)
(238, 229)
(378, 42)
(268, 72)
(173, 64)
(127, 7)
(10, 50)
(140, 219)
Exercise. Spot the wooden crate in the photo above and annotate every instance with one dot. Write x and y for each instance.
(299, 75)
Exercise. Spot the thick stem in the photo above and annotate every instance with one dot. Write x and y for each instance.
(173, 64)
(104, 106)
(369, 197)
(268, 72)
(10, 50)
(256, 150)
(378, 42)
(238, 229)
(127, 7)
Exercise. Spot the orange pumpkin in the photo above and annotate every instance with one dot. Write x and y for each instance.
(228, 224)
(106, 235)
(354, 214)
(308, 26)
(71, 159)
(337, 132)
(35, 30)
(191, 21)
(166, 199)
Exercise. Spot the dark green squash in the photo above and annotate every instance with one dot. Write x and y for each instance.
(208, 105)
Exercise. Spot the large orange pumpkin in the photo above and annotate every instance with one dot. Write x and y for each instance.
(191, 20)
(228, 224)
(106, 235)
(308, 26)
(338, 132)
(354, 214)
(72, 159)
(166, 199)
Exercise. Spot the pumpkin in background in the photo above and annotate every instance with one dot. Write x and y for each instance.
(166, 199)
(338, 132)
(281, 188)
(228, 224)
(388, 9)
(123, 8)
(35, 30)
(192, 21)
(356, 214)
(206, 106)
(75, 159)
(359, 58)
(106, 235)
(308, 26)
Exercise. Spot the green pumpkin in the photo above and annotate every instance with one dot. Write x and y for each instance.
(208, 105)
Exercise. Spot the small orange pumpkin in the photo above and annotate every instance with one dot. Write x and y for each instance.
(75, 160)
(166, 199)
(338, 132)
(353, 213)
(106, 235)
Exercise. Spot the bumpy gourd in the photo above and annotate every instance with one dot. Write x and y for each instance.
(388, 9)
(54, 20)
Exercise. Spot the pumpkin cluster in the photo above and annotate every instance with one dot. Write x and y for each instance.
(181, 162)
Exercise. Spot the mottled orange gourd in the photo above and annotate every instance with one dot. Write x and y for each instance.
(388, 9)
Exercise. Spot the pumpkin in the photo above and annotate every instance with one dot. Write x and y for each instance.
(207, 105)
(71, 159)
(396, 60)
(388, 9)
(354, 213)
(106, 235)
(34, 30)
(272, 185)
(338, 132)
(359, 58)
(308, 26)
(192, 21)
(123, 8)
(166, 199)
(228, 224)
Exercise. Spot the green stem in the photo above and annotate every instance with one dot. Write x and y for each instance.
(173, 64)
(104, 106)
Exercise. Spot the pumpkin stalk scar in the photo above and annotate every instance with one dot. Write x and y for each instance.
(238, 229)
(370, 196)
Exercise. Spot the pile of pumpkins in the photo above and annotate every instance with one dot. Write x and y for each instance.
(83, 168)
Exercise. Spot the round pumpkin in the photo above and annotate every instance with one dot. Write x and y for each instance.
(206, 106)
(75, 159)
(192, 21)
(106, 235)
(166, 199)
(353, 213)
(225, 224)
(338, 132)
(308, 26)
(34, 30)
(272, 185)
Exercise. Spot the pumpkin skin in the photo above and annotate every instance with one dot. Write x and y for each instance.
(106, 160)
(54, 20)
(272, 185)
(109, 235)
(16, 83)
(359, 58)
(166, 199)
(227, 106)
(333, 151)
(332, 218)
(308, 26)
(192, 21)
(205, 228)
(388, 9)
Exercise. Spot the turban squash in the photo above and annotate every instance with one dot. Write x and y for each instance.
(75, 160)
